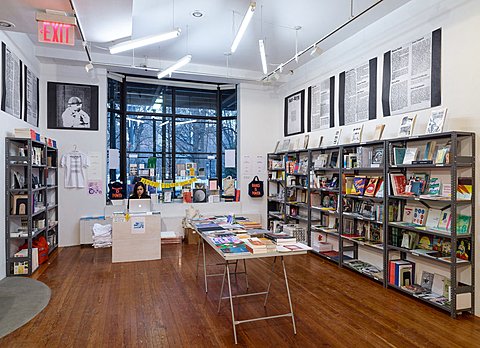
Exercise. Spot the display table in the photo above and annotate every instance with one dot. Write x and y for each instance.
(229, 259)
(136, 238)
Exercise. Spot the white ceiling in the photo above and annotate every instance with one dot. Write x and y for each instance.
(208, 38)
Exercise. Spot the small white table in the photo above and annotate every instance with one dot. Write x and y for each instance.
(229, 259)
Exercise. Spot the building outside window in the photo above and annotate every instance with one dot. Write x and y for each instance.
(170, 133)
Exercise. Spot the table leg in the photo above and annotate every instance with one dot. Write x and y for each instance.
(223, 283)
(270, 280)
(231, 303)
(204, 266)
(198, 255)
(288, 294)
(245, 269)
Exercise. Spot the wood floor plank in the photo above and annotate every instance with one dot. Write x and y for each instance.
(163, 304)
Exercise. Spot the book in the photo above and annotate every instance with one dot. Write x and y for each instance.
(434, 187)
(464, 250)
(379, 191)
(445, 220)
(371, 187)
(399, 182)
(408, 213)
(357, 134)
(436, 121)
(464, 188)
(377, 134)
(427, 280)
(463, 224)
(336, 137)
(277, 147)
(285, 145)
(429, 150)
(305, 141)
(420, 215)
(410, 155)
(433, 218)
(293, 247)
(441, 156)
(358, 187)
(398, 155)
(377, 156)
(406, 126)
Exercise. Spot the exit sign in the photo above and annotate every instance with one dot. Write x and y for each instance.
(57, 33)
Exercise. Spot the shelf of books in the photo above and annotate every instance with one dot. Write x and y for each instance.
(362, 218)
(275, 190)
(324, 172)
(31, 204)
(431, 219)
(400, 211)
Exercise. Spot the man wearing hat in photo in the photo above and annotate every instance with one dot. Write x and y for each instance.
(74, 116)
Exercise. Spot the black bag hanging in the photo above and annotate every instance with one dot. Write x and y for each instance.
(255, 187)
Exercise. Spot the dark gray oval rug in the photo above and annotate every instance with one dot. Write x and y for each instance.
(21, 299)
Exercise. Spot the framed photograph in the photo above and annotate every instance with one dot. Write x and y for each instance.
(294, 113)
(32, 101)
(11, 83)
(72, 106)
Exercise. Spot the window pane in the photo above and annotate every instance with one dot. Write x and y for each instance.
(113, 130)
(229, 102)
(195, 102)
(139, 133)
(164, 134)
(114, 93)
(229, 134)
(193, 136)
(204, 167)
(149, 98)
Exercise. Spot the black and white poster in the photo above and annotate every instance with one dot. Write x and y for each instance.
(320, 105)
(31, 107)
(294, 113)
(411, 75)
(72, 106)
(358, 93)
(11, 82)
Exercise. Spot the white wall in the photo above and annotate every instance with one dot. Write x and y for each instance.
(75, 203)
(460, 23)
(24, 50)
(259, 130)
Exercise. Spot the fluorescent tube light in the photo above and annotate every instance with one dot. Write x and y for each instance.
(144, 41)
(168, 71)
(246, 20)
(262, 56)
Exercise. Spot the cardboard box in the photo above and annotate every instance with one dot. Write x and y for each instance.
(191, 236)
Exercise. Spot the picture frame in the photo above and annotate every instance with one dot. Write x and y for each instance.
(72, 106)
(31, 104)
(294, 112)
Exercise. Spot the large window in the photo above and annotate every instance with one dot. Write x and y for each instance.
(171, 133)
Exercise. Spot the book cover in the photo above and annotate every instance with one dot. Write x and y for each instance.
(433, 218)
(434, 187)
(348, 184)
(463, 224)
(357, 134)
(420, 215)
(408, 214)
(358, 187)
(429, 150)
(426, 243)
(464, 188)
(410, 155)
(377, 135)
(379, 191)
(399, 182)
(464, 250)
(371, 187)
(336, 137)
(406, 126)
(445, 220)
(398, 155)
(377, 157)
(427, 280)
(436, 121)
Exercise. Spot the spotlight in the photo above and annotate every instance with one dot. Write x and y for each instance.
(88, 67)
(316, 51)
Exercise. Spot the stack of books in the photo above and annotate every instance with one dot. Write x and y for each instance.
(281, 238)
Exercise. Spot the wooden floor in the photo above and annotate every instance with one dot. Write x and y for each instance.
(161, 304)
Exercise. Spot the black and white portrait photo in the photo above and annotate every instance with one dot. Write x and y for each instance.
(72, 106)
